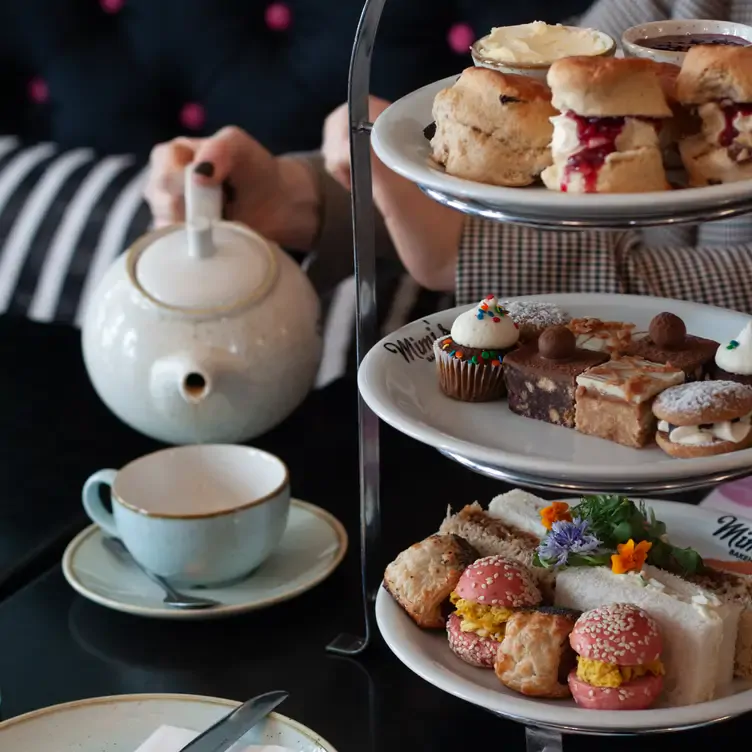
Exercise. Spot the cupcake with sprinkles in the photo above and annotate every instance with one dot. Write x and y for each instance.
(533, 317)
(733, 359)
(469, 359)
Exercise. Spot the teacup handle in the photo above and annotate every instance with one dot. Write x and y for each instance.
(93, 503)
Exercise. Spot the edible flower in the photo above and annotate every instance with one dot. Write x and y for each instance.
(630, 557)
(569, 542)
(558, 511)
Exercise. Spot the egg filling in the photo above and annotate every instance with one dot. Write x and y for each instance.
(600, 674)
(485, 621)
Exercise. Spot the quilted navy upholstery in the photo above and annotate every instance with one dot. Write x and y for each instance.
(122, 75)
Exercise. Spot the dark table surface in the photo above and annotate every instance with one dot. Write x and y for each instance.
(57, 647)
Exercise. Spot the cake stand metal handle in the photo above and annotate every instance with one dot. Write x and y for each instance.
(364, 257)
(543, 740)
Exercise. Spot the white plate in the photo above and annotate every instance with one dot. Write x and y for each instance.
(313, 545)
(403, 390)
(398, 140)
(428, 655)
(123, 723)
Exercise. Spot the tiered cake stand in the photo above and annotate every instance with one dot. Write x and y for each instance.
(539, 738)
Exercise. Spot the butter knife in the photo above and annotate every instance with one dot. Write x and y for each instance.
(230, 729)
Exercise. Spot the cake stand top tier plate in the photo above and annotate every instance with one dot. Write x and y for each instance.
(398, 381)
(398, 140)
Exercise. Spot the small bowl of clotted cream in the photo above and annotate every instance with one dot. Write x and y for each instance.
(530, 49)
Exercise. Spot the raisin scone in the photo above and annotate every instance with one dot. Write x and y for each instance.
(423, 576)
(493, 128)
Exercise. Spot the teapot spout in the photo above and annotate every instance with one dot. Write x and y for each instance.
(184, 376)
(195, 385)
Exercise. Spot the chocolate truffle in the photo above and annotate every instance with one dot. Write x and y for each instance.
(557, 343)
(668, 331)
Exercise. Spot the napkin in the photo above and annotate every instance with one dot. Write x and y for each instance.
(173, 739)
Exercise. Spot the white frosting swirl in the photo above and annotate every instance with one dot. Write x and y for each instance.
(736, 356)
(726, 430)
(487, 326)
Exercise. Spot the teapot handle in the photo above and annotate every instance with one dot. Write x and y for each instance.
(203, 205)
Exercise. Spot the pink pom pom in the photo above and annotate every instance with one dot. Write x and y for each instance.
(460, 38)
(39, 92)
(278, 17)
(192, 116)
(112, 6)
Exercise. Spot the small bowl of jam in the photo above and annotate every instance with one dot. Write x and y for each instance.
(669, 41)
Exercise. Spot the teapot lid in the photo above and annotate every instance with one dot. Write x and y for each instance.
(205, 264)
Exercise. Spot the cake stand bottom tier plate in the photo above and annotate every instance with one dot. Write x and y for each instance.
(427, 653)
(398, 381)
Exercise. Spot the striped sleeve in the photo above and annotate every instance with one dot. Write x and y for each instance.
(508, 260)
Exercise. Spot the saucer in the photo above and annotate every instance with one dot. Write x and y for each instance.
(122, 723)
(313, 545)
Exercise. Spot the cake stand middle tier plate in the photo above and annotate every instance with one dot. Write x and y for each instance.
(398, 381)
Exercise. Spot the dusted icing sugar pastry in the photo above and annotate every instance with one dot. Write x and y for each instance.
(733, 359)
(668, 342)
(614, 400)
(469, 359)
(541, 380)
(704, 418)
(534, 316)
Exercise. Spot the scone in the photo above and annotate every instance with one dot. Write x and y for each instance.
(535, 656)
(493, 128)
(606, 138)
(704, 418)
(423, 576)
(717, 81)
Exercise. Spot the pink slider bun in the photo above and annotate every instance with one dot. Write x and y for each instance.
(638, 694)
(620, 634)
(470, 647)
(496, 581)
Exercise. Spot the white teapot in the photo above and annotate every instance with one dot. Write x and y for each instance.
(202, 332)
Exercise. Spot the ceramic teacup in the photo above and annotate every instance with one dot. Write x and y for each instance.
(634, 39)
(198, 515)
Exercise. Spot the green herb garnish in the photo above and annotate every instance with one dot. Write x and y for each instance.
(616, 519)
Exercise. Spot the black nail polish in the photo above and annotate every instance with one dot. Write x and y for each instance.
(229, 192)
(205, 168)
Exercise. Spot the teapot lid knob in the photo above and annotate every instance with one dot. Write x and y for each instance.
(201, 201)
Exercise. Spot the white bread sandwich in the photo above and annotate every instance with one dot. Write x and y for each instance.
(606, 139)
(511, 528)
(699, 630)
(733, 587)
(717, 81)
(493, 128)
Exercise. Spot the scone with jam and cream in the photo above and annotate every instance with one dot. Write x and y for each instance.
(717, 81)
(468, 360)
(606, 139)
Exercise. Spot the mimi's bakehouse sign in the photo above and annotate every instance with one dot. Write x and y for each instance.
(418, 346)
(737, 535)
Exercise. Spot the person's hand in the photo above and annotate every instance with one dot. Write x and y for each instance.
(336, 143)
(276, 196)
